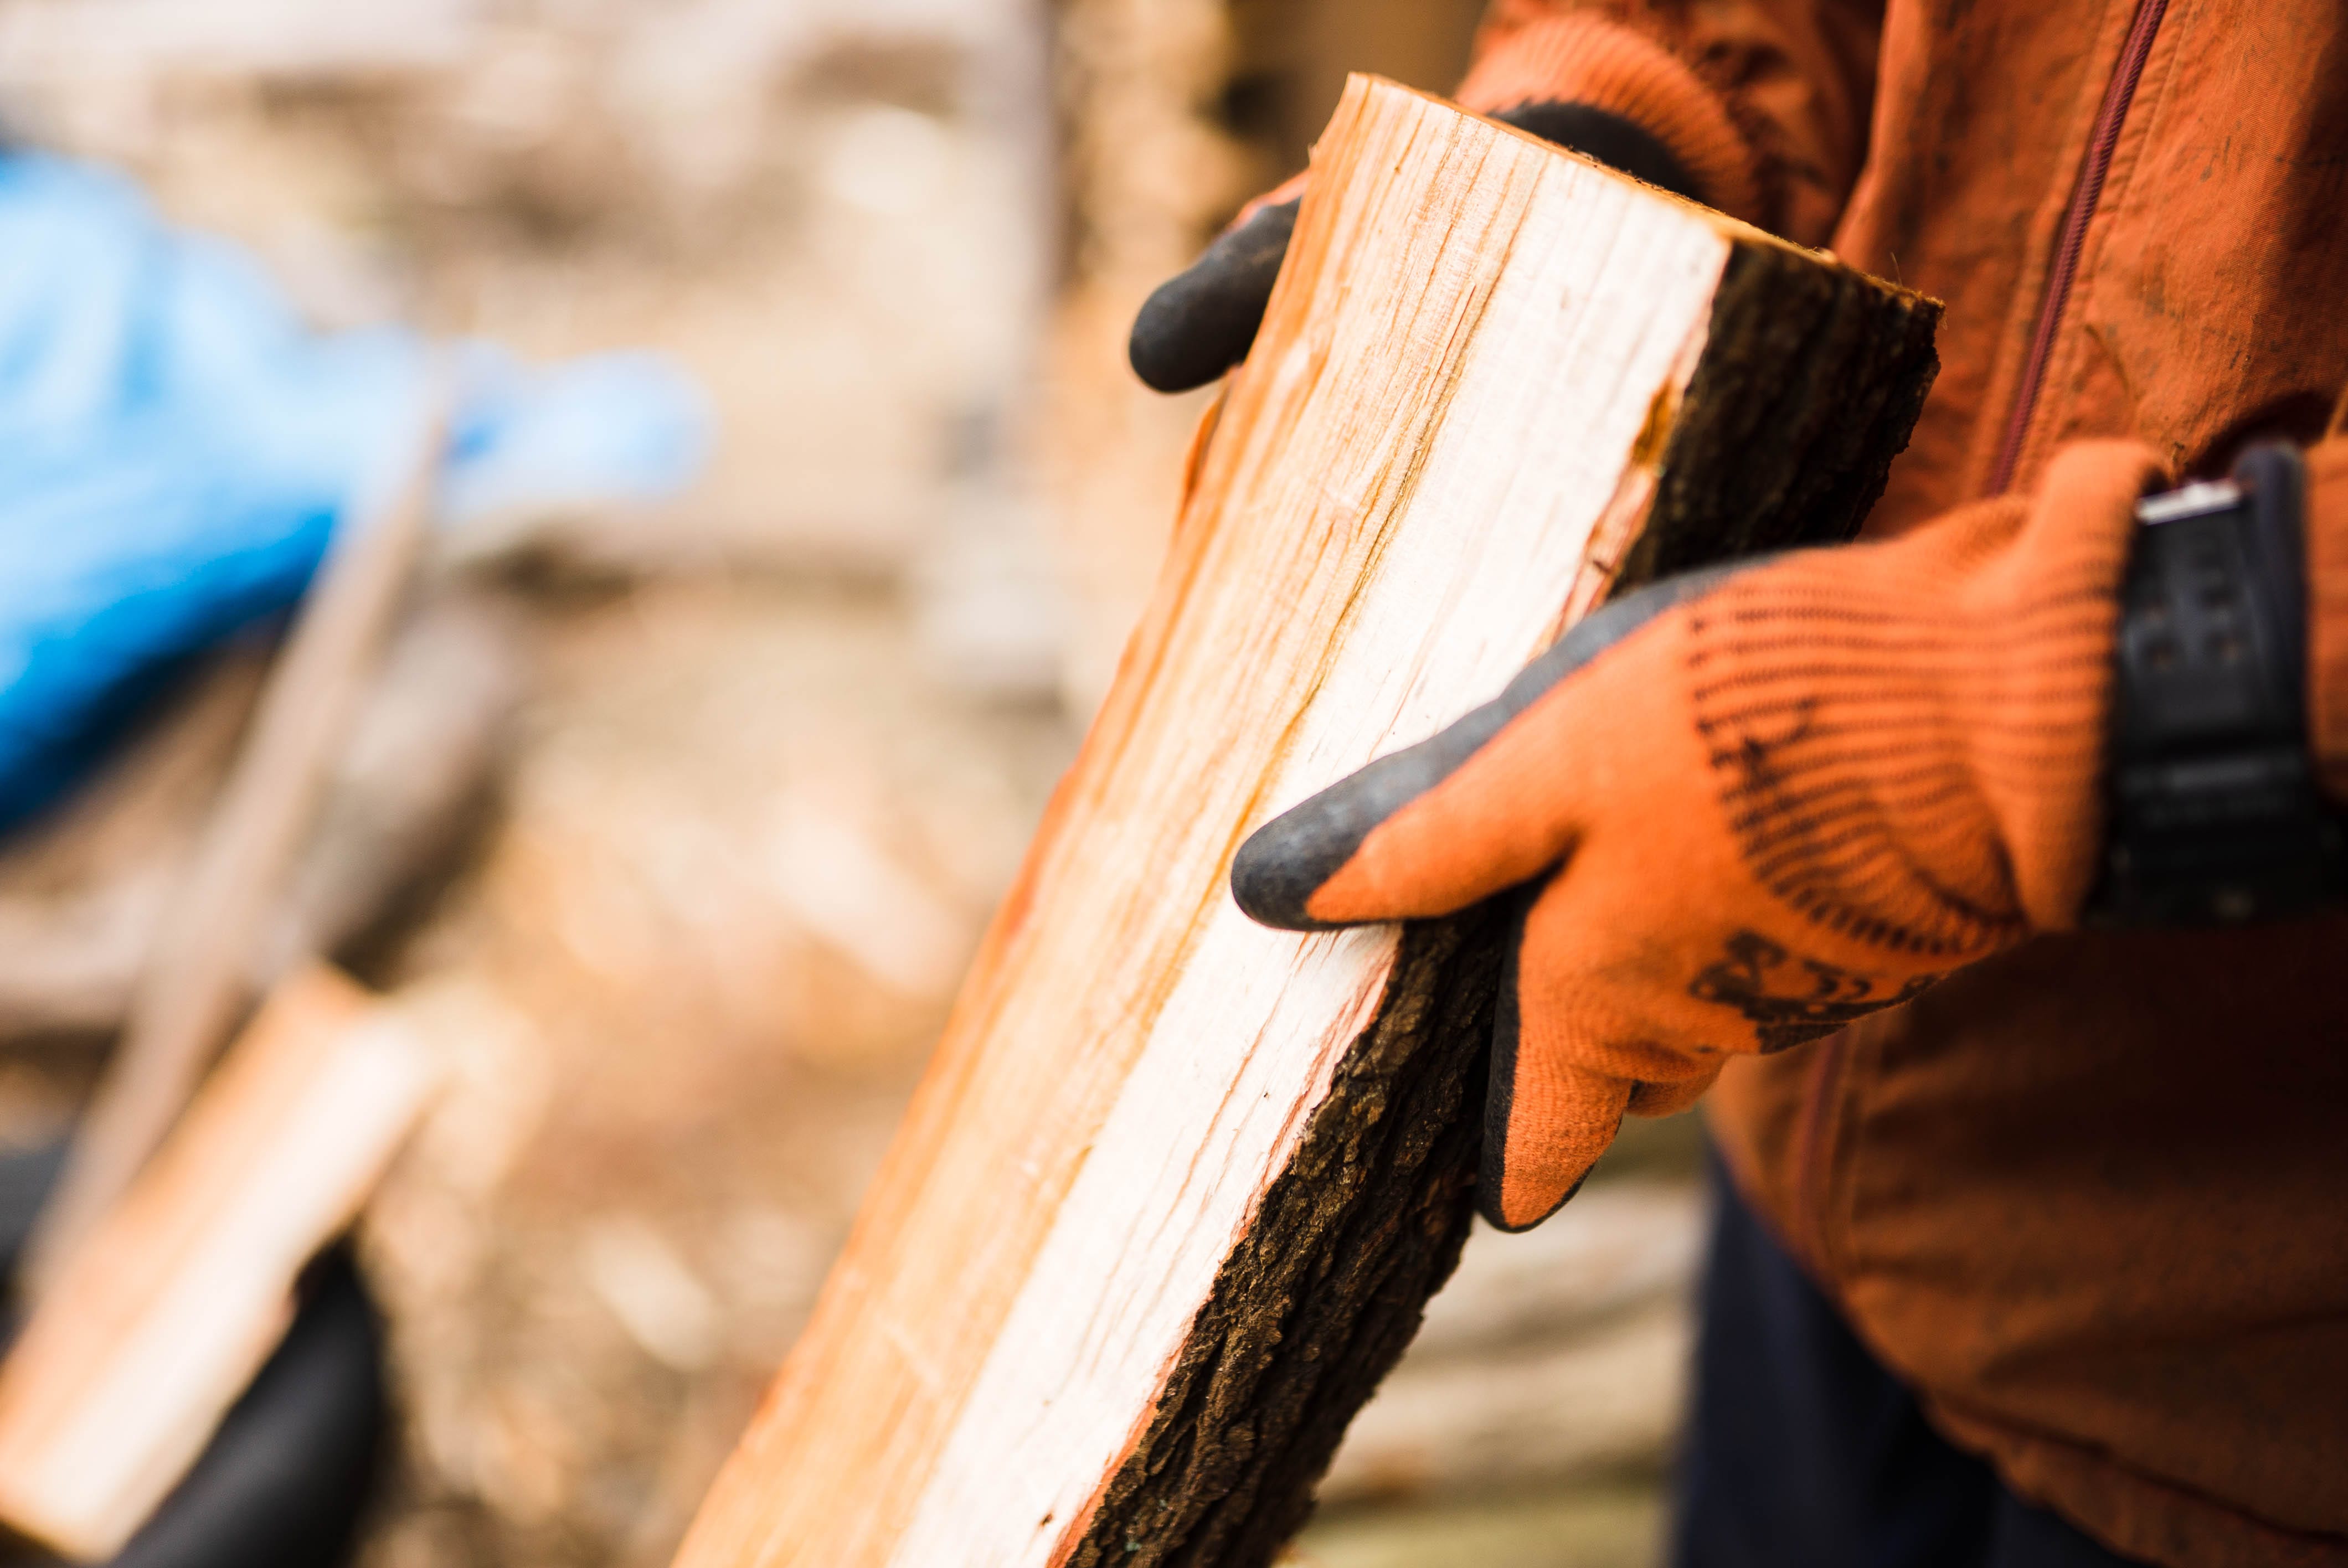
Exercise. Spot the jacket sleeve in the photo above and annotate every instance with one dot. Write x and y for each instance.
(1765, 102)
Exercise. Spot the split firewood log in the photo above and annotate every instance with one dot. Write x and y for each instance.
(1177, 1187)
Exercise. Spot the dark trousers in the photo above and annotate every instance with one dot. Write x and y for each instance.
(1804, 1452)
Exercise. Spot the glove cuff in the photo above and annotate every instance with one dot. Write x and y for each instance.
(2039, 715)
(1583, 59)
(1907, 737)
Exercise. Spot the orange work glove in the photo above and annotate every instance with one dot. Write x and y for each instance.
(1744, 808)
(1583, 82)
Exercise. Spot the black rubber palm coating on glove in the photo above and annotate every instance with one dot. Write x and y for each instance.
(1286, 861)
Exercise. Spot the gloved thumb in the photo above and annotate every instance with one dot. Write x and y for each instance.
(1438, 826)
(1546, 1122)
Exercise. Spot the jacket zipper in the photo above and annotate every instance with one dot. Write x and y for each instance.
(1814, 1132)
(2106, 137)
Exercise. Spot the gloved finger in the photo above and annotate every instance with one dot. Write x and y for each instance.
(1547, 1118)
(1567, 1065)
(1203, 320)
(1541, 1136)
(1386, 844)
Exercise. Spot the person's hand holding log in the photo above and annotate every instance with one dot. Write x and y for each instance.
(1741, 809)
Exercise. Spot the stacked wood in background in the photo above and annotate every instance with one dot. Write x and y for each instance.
(1171, 1197)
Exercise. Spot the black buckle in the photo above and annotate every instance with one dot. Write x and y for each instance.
(2215, 815)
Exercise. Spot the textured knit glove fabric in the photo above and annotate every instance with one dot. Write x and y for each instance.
(1576, 57)
(1738, 811)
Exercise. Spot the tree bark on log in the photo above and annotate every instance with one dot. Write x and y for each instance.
(1176, 1188)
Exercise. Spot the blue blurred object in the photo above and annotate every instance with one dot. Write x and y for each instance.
(176, 449)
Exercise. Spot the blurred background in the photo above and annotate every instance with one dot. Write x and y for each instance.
(691, 813)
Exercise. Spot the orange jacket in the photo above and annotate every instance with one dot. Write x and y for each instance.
(2091, 1197)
